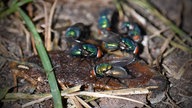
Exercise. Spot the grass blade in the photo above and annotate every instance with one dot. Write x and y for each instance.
(45, 60)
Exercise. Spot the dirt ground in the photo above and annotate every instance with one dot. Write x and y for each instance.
(165, 59)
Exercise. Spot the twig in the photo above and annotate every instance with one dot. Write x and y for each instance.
(137, 16)
(167, 69)
(173, 43)
(171, 101)
(162, 50)
(73, 99)
(168, 51)
(119, 8)
(48, 27)
(36, 101)
(33, 45)
(166, 43)
(27, 34)
(152, 28)
(129, 91)
(150, 59)
(110, 94)
(158, 33)
(96, 94)
(82, 102)
(182, 69)
(46, 37)
(48, 96)
(146, 12)
(182, 47)
(145, 4)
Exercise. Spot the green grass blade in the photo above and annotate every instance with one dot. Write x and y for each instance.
(13, 7)
(45, 60)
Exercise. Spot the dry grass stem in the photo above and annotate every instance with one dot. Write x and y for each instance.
(48, 96)
(182, 69)
(147, 7)
(75, 102)
(82, 102)
(128, 91)
(162, 50)
(70, 92)
(97, 94)
(150, 58)
(36, 101)
(158, 33)
(169, 51)
(133, 13)
(33, 45)
(173, 104)
(46, 37)
(173, 43)
(48, 43)
(153, 29)
(166, 43)
(169, 71)
(27, 34)
(73, 99)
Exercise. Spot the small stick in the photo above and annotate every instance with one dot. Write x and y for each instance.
(182, 69)
(73, 99)
(82, 102)
(109, 94)
(48, 22)
(162, 50)
(48, 96)
(96, 94)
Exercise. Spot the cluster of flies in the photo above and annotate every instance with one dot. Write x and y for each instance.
(126, 41)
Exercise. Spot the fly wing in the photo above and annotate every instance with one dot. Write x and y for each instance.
(118, 72)
(124, 61)
(111, 37)
(74, 43)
